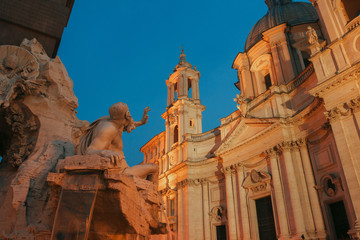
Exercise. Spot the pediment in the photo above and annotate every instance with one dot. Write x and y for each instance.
(245, 131)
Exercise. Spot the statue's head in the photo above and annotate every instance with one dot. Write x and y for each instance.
(120, 111)
(11, 62)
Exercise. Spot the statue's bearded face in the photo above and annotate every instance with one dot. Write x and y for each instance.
(129, 125)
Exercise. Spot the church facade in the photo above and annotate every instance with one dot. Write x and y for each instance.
(286, 164)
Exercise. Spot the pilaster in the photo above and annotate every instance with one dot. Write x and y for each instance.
(303, 190)
(230, 201)
(180, 211)
(244, 220)
(344, 120)
(320, 231)
(206, 209)
(287, 149)
(273, 155)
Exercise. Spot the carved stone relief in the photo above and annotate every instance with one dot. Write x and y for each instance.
(18, 133)
(217, 214)
(257, 181)
(18, 69)
(330, 185)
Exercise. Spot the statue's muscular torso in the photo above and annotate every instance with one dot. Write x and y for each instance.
(107, 136)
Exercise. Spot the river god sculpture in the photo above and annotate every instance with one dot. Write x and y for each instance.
(104, 138)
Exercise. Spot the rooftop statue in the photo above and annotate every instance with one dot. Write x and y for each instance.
(104, 138)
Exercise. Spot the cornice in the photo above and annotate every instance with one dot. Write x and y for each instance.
(282, 88)
(303, 113)
(351, 74)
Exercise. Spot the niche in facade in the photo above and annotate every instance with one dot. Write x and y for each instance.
(176, 134)
(261, 69)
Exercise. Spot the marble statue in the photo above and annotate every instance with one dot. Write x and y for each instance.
(104, 138)
(312, 35)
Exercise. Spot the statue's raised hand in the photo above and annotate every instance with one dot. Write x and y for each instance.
(145, 115)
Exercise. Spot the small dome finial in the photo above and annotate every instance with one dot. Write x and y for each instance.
(182, 61)
(182, 56)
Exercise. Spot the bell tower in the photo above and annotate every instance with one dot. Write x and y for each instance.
(183, 113)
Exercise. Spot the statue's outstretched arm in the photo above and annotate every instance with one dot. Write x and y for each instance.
(144, 118)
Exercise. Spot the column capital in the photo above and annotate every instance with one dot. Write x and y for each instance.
(287, 146)
(238, 167)
(343, 109)
(301, 142)
(272, 152)
(228, 170)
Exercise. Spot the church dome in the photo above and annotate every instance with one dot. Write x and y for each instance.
(281, 11)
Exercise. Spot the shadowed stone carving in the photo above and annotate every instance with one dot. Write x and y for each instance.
(39, 171)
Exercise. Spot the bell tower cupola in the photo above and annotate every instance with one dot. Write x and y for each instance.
(184, 110)
(184, 82)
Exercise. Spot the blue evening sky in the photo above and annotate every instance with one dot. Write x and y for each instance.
(123, 51)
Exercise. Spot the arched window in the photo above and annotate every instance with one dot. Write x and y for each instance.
(267, 81)
(189, 88)
(261, 69)
(176, 134)
(175, 91)
(191, 123)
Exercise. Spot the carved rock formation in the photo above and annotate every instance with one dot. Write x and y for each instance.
(38, 126)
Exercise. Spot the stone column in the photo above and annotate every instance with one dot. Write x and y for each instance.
(293, 188)
(278, 193)
(180, 211)
(195, 88)
(345, 128)
(186, 87)
(236, 201)
(244, 218)
(247, 83)
(195, 218)
(206, 209)
(181, 88)
(231, 210)
(286, 60)
(168, 135)
(303, 190)
(277, 63)
(172, 93)
(168, 93)
(314, 198)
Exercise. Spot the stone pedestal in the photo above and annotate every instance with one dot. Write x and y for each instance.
(113, 205)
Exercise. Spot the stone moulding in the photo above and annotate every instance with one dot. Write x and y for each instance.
(351, 74)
